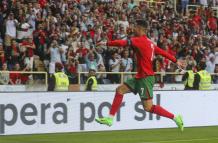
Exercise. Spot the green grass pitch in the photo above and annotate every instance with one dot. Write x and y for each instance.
(190, 135)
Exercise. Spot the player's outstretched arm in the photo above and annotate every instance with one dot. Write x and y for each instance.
(180, 63)
(161, 52)
(118, 43)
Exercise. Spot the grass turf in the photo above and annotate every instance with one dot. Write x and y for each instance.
(190, 135)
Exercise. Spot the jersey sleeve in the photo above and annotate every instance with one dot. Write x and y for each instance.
(119, 43)
(161, 52)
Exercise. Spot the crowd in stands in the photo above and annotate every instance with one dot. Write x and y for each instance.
(68, 32)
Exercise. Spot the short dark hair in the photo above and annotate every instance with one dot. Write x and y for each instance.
(202, 65)
(92, 70)
(58, 66)
(189, 67)
(141, 22)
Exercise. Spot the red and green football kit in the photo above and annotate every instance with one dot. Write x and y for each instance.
(145, 50)
(144, 80)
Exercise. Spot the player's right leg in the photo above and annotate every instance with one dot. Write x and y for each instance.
(120, 91)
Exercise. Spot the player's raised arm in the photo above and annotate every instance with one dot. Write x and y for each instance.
(118, 43)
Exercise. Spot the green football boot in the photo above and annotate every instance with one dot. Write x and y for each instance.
(179, 122)
(106, 121)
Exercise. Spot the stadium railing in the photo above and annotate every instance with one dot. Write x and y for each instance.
(160, 75)
(163, 81)
(152, 3)
(38, 81)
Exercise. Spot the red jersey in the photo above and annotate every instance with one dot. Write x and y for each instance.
(212, 23)
(14, 77)
(197, 19)
(145, 50)
(30, 51)
(83, 51)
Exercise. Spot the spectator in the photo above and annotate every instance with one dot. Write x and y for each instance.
(4, 75)
(72, 71)
(114, 64)
(25, 77)
(39, 36)
(15, 77)
(81, 53)
(74, 38)
(78, 25)
(13, 53)
(216, 55)
(11, 24)
(64, 47)
(1, 40)
(101, 66)
(126, 65)
(2, 55)
(212, 23)
(210, 64)
(100, 77)
(29, 47)
(32, 19)
(55, 56)
(23, 29)
(203, 2)
(131, 4)
(92, 60)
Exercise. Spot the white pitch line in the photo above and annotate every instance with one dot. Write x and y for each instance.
(42, 140)
(169, 141)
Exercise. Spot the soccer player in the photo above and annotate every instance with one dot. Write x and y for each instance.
(144, 80)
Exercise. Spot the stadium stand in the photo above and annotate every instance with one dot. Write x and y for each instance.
(67, 31)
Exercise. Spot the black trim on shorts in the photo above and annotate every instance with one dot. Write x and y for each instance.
(131, 89)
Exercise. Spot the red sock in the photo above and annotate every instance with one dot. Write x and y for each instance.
(161, 111)
(116, 103)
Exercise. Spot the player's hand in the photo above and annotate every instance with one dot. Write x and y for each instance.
(181, 64)
(101, 44)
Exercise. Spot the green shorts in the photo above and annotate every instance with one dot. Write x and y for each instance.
(143, 86)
